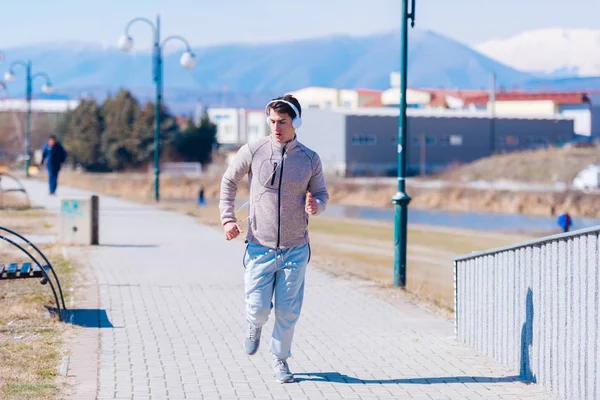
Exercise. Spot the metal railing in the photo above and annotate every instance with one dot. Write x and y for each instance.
(535, 308)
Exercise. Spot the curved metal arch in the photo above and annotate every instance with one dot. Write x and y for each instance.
(41, 255)
(140, 19)
(17, 62)
(43, 74)
(177, 37)
(58, 305)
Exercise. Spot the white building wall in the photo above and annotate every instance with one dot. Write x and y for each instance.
(524, 107)
(326, 98)
(256, 125)
(391, 97)
(38, 105)
(228, 124)
(317, 97)
(582, 120)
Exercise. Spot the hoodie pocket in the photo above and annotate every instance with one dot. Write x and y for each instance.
(294, 221)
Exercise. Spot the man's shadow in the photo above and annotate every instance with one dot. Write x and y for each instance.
(527, 340)
(525, 373)
(336, 377)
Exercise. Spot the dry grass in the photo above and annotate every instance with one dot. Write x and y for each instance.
(14, 201)
(537, 166)
(28, 221)
(576, 203)
(364, 249)
(31, 342)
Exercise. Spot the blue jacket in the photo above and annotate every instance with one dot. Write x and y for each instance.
(54, 156)
(565, 221)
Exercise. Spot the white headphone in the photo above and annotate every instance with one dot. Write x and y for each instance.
(296, 121)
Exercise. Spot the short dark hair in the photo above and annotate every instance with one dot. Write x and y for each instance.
(53, 137)
(283, 108)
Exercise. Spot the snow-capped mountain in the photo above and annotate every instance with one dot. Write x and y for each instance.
(255, 73)
(337, 61)
(558, 52)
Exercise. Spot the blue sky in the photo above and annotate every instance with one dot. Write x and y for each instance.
(205, 22)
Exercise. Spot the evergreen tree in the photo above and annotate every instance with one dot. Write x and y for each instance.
(83, 134)
(196, 143)
(119, 114)
(142, 138)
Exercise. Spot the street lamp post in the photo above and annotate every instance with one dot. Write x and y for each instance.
(188, 60)
(401, 199)
(46, 88)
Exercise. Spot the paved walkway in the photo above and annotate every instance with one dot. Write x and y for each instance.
(172, 290)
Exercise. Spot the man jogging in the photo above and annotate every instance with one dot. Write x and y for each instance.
(286, 186)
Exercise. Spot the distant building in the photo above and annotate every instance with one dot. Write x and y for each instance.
(575, 105)
(231, 126)
(427, 98)
(364, 141)
(256, 125)
(415, 98)
(324, 97)
(595, 114)
(454, 99)
(52, 107)
(431, 98)
(236, 126)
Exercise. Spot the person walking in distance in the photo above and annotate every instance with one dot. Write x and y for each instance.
(201, 199)
(565, 221)
(286, 186)
(54, 154)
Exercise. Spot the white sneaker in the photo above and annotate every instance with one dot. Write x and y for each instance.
(282, 371)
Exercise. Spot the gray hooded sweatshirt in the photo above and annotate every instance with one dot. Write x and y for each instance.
(280, 175)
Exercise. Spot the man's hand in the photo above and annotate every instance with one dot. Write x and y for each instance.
(311, 204)
(232, 230)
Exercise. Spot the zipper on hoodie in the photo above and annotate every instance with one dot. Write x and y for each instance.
(279, 199)
(274, 174)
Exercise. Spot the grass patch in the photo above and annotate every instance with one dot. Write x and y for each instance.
(364, 249)
(28, 221)
(31, 342)
(537, 166)
(356, 228)
(13, 201)
(26, 389)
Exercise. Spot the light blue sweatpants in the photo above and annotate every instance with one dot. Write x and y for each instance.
(279, 272)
